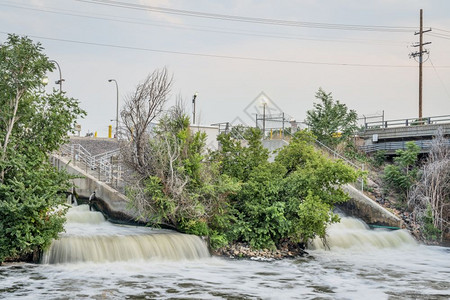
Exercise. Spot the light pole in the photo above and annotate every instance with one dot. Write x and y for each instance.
(60, 81)
(264, 103)
(193, 103)
(117, 107)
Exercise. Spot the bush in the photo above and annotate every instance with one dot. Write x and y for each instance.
(401, 175)
(379, 158)
(430, 231)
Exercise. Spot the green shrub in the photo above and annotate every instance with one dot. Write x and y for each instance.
(197, 227)
(218, 240)
(379, 158)
(430, 231)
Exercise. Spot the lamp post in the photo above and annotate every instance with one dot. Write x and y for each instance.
(117, 107)
(264, 103)
(60, 81)
(193, 111)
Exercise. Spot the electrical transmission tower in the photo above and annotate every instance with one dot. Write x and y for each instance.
(419, 54)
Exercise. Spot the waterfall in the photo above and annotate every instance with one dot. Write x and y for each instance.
(354, 233)
(90, 238)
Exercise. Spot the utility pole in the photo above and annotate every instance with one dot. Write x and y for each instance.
(420, 55)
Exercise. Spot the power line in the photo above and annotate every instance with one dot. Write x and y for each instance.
(441, 36)
(439, 29)
(440, 79)
(259, 34)
(225, 17)
(220, 56)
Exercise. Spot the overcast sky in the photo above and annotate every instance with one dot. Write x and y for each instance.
(230, 62)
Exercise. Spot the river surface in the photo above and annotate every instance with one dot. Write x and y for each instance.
(360, 264)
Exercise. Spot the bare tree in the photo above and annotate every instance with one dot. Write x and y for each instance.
(161, 167)
(140, 109)
(433, 189)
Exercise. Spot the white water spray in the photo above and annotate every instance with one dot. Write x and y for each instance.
(354, 233)
(89, 238)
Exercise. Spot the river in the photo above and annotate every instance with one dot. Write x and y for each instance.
(98, 260)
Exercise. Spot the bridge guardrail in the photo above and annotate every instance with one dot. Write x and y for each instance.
(407, 122)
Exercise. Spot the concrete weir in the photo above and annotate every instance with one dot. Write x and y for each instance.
(109, 201)
(368, 210)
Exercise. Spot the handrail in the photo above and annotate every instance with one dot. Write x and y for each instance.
(336, 154)
(100, 162)
(343, 158)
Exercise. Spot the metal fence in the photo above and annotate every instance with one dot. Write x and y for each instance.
(276, 126)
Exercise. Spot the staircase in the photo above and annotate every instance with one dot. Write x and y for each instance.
(104, 167)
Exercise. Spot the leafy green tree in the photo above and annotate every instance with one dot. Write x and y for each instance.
(291, 198)
(401, 175)
(312, 187)
(32, 125)
(331, 121)
(240, 155)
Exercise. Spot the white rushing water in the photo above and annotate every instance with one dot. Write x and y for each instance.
(360, 264)
(89, 238)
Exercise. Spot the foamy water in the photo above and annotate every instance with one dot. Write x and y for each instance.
(362, 264)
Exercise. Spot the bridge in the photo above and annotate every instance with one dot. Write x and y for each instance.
(393, 135)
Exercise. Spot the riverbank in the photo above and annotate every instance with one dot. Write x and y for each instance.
(242, 250)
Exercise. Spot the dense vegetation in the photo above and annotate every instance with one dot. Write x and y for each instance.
(291, 198)
(32, 124)
(235, 194)
(403, 173)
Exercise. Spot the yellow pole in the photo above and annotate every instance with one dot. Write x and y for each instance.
(270, 133)
(95, 134)
(109, 131)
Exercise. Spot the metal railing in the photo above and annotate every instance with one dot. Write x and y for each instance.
(360, 181)
(407, 122)
(99, 166)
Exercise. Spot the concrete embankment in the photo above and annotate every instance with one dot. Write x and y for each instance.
(368, 210)
(108, 200)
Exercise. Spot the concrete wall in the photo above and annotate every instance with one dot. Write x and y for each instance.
(211, 135)
(368, 210)
(95, 145)
(273, 145)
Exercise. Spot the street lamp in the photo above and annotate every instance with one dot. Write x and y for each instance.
(264, 103)
(60, 81)
(117, 107)
(193, 103)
